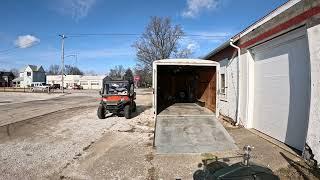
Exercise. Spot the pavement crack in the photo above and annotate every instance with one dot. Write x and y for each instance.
(88, 146)
(152, 170)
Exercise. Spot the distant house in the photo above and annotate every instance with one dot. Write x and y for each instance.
(6, 79)
(30, 74)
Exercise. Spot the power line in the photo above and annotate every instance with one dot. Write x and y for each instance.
(103, 34)
(136, 34)
(17, 47)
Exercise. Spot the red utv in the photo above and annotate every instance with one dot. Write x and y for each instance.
(117, 98)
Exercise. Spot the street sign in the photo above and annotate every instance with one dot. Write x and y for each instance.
(136, 78)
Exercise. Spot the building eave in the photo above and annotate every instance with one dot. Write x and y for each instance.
(255, 25)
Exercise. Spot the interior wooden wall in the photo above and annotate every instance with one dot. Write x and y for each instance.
(203, 90)
(207, 88)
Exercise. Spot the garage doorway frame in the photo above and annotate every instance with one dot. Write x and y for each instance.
(180, 62)
(184, 62)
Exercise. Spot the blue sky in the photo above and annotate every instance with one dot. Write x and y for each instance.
(29, 29)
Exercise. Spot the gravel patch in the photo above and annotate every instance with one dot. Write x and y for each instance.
(53, 147)
(49, 150)
(124, 152)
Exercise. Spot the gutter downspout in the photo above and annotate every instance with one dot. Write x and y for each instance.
(239, 61)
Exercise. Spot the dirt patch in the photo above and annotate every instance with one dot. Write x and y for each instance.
(152, 174)
(148, 144)
(130, 130)
(298, 170)
(149, 157)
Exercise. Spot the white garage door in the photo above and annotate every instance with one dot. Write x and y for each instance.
(281, 89)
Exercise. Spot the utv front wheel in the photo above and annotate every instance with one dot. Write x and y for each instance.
(127, 112)
(101, 112)
(134, 107)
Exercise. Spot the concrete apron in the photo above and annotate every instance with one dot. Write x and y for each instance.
(189, 128)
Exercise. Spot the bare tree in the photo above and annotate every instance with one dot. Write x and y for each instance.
(15, 72)
(117, 72)
(72, 70)
(159, 41)
(183, 53)
(54, 69)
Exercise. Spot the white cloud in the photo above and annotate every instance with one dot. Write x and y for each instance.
(77, 9)
(194, 7)
(26, 41)
(193, 46)
(190, 44)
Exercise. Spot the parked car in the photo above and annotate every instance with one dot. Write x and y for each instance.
(55, 86)
(78, 87)
(40, 87)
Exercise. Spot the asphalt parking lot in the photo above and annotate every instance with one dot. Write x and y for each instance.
(61, 137)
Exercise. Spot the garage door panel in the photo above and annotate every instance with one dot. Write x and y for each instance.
(281, 88)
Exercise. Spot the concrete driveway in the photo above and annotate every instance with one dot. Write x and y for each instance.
(189, 128)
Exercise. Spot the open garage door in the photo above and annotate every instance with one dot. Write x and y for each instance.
(281, 88)
(185, 81)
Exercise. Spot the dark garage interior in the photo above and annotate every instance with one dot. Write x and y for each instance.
(186, 84)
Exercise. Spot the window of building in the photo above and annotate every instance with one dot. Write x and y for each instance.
(28, 73)
(94, 83)
(223, 84)
(83, 83)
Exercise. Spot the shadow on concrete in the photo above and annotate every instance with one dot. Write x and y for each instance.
(5, 102)
(302, 170)
(209, 169)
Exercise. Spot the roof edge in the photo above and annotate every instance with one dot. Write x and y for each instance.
(254, 25)
(216, 50)
(184, 61)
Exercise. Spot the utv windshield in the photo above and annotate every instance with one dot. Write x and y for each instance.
(116, 88)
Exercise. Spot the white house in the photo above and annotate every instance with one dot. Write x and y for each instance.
(270, 76)
(30, 74)
(87, 82)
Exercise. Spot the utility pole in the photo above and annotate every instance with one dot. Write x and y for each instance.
(62, 59)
